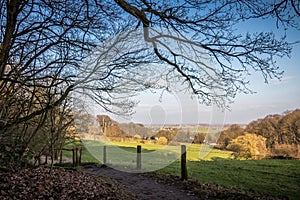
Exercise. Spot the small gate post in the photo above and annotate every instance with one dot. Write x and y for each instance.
(139, 157)
(184, 173)
(80, 154)
(76, 156)
(60, 158)
(104, 154)
(73, 156)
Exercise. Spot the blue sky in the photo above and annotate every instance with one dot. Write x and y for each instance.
(274, 97)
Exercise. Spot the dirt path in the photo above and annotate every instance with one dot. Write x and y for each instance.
(144, 187)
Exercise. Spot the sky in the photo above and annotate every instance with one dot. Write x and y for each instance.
(274, 97)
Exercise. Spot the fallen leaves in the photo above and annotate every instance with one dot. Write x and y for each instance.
(63, 184)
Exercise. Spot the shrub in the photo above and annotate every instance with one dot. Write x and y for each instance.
(162, 140)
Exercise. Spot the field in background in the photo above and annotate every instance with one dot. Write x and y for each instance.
(273, 177)
(93, 151)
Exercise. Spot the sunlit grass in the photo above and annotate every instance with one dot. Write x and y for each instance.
(154, 156)
(273, 177)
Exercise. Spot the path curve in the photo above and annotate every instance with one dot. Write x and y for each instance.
(142, 186)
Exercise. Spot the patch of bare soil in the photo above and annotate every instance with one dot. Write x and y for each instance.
(62, 184)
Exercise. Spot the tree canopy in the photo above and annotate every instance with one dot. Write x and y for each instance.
(278, 129)
(53, 53)
(249, 146)
(281, 134)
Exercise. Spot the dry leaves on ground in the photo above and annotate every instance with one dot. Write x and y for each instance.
(39, 183)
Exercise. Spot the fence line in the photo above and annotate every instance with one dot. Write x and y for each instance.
(184, 172)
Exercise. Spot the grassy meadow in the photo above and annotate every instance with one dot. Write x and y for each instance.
(273, 177)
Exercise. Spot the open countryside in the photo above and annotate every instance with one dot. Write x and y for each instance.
(270, 174)
(273, 177)
(250, 170)
(149, 99)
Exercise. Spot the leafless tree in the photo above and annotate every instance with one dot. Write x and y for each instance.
(111, 50)
(210, 25)
(41, 45)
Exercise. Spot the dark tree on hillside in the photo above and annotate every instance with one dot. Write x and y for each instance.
(229, 134)
(49, 47)
(278, 129)
(266, 127)
(289, 128)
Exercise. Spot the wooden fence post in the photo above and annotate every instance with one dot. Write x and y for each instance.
(76, 156)
(60, 158)
(80, 154)
(104, 154)
(139, 157)
(46, 159)
(184, 173)
(55, 154)
(73, 156)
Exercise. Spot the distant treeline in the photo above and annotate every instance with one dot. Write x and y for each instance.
(276, 136)
(165, 135)
(280, 133)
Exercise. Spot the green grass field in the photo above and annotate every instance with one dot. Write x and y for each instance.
(195, 152)
(273, 177)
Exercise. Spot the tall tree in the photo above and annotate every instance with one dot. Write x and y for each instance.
(49, 47)
(289, 129)
(266, 127)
